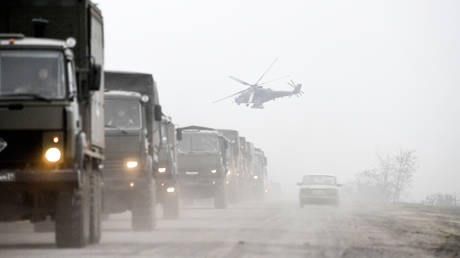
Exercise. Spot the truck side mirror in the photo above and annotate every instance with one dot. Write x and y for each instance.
(95, 77)
(179, 135)
(158, 113)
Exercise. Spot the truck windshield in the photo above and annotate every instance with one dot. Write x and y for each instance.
(198, 142)
(318, 180)
(122, 114)
(37, 73)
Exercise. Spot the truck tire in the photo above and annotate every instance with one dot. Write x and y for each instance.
(72, 219)
(220, 198)
(95, 209)
(143, 216)
(171, 207)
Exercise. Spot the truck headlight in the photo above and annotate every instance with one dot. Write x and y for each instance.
(132, 164)
(161, 170)
(53, 154)
(214, 171)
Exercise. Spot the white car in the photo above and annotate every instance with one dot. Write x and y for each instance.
(318, 188)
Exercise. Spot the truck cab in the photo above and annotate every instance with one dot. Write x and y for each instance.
(203, 169)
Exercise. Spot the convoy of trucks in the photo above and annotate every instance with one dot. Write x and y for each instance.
(78, 142)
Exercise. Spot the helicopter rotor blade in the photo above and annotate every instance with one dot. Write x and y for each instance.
(266, 71)
(234, 94)
(240, 81)
(274, 80)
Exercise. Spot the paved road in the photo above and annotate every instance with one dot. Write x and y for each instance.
(273, 229)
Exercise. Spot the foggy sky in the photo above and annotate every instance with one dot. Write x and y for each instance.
(378, 76)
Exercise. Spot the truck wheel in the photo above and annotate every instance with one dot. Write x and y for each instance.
(171, 207)
(143, 212)
(95, 209)
(45, 226)
(72, 218)
(220, 199)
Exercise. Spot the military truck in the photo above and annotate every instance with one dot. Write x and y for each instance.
(234, 164)
(51, 113)
(260, 177)
(203, 164)
(166, 175)
(244, 178)
(252, 167)
(132, 135)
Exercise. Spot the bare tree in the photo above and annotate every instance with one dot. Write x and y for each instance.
(390, 178)
(405, 165)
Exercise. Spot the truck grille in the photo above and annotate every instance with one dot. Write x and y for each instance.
(23, 150)
(118, 149)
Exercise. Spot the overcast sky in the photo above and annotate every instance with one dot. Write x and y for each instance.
(378, 76)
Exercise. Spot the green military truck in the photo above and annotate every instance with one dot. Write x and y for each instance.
(244, 178)
(260, 176)
(51, 113)
(234, 164)
(166, 175)
(202, 156)
(132, 135)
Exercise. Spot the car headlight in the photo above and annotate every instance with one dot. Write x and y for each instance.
(132, 164)
(214, 171)
(256, 177)
(53, 154)
(170, 189)
(161, 170)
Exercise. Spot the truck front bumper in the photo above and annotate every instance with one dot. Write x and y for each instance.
(201, 188)
(30, 179)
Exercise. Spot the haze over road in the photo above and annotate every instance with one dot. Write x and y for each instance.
(274, 229)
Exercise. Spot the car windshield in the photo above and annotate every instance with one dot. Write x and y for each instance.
(122, 114)
(198, 142)
(36, 73)
(318, 180)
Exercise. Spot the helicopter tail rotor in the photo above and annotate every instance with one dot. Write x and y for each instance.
(297, 88)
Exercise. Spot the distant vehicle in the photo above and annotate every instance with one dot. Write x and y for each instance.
(318, 188)
(259, 175)
(256, 95)
(132, 122)
(234, 164)
(203, 167)
(166, 175)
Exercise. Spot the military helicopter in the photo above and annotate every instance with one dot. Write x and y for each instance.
(256, 95)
